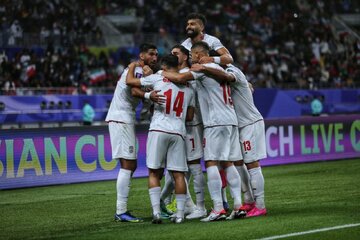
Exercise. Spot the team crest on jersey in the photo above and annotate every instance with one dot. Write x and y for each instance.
(131, 149)
(138, 75)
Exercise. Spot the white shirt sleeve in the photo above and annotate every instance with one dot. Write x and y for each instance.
(149, 80)
(197, 75)
(216, 44)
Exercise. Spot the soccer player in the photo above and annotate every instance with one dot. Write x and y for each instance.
(121, 120)
(195, 26)
(221, 144)
(252, 137)
(194, 149)
(166, 139)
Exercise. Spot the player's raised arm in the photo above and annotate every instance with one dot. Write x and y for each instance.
(224, 58)
(131, 80)
(178, 78)
(213, 72)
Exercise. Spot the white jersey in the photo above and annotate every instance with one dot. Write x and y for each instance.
(169, 117)
(213, 42)
(123, 104)
(215, 101)
(197, 115)
(246, 111)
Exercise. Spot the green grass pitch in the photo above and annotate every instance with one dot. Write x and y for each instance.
(299, 198)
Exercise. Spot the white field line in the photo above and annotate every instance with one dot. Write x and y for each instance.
(311, 231)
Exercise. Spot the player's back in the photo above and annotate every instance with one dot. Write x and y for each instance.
(123, 104)
(246, 111)
(170, 117)
(215, 101)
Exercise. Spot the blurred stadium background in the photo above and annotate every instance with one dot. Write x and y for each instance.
(57, 54)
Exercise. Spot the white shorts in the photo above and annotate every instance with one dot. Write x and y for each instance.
(222, 143)
(123, 140)
(194, 137)
(252, 140)
(165, 150)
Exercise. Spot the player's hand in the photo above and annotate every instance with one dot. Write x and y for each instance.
(197, 67)
(147, 70)
(157, 98)
(206, 59)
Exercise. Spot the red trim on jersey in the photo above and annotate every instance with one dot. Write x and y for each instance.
(168, 133)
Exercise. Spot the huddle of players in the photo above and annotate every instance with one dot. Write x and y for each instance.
(227, 132)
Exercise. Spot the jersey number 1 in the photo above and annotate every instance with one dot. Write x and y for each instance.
(178, 104)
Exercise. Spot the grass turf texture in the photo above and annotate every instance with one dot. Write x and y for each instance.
(299, 198)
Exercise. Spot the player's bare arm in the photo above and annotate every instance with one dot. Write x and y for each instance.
(190, 114)
(225, 57)
(153, 95)
(135, 83)
(147, 70)
(178, 78)
(131, 80)
(213, 72)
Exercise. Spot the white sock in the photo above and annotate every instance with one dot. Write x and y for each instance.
(257, 184)
(245, 184)
(122, 189)
(168, 189)
(155, 199)
(214, 185)
(180, 205)
(189, 202)
(199, 184)
(234, 181)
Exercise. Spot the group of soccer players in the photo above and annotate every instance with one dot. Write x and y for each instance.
(203, 111)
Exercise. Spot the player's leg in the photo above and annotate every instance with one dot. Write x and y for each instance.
(232, 175)
(189, 204)
(156, 149)
(176, 164)
(168, 188)
(180, 194)
(194, 152)
(154, 192)
(249, 202)
(199, 188)
(166, 192)
(214, 142)
(123, 145)
(253, 141)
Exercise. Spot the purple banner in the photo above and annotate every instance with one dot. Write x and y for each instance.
(36, 157)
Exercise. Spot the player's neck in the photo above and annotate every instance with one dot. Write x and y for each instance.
(198, 38)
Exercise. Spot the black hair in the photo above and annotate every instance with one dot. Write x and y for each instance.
(146, 47)
(184, 51)
(202, 45)
(199, 16)
(171, 61)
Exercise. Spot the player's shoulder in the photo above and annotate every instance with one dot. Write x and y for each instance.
(187, 43)
(213, 65)
(208, 37)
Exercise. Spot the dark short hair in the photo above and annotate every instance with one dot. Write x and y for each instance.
(184, 51)
(170, 61)
(202, 45)
(146, 47)
(199, 16)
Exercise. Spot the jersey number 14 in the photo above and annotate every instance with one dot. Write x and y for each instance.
(178, 103)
